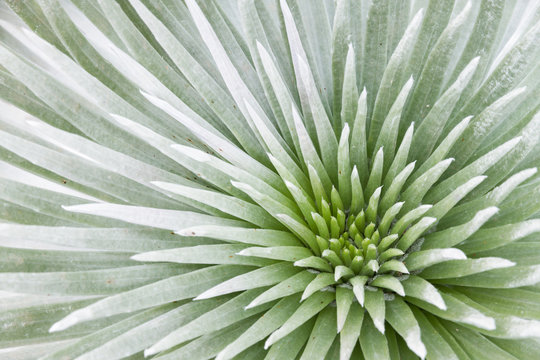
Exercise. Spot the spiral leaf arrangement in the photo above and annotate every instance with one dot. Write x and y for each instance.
(269, 179)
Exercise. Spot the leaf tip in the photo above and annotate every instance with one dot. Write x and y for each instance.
(150, 351)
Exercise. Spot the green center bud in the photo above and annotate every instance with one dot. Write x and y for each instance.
(356, 241)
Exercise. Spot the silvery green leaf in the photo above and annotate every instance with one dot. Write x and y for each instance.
(154, 217)
(136, 338)
(374, 344)
(429, 130)
(400, 316)
(322, 335)
(203, 254)
(344, 300)
(425, 258)
(457, 311)
(436, 345)
(464, 267)
(387, 90)
(416, 287)
(351, 331)
(210, 344)
(292, 344)
(375, 306)
(321, 281)
(262, 237)
(226, 204)
(292, 285)
(513, 277)
(177, 287)
(265, 276)
(90, 282)
(272, 319)
(219, 317)
(455, 235)
(309, 308)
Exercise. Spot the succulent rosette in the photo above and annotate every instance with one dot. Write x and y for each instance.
(269, 179)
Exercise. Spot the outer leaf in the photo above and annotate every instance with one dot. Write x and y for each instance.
(492, 198)
(375, 305)
(457, 234)
(309, 308)
(422, 259)
(159, 218)
(170, 289)
(344, 300)
(218, 318)
(272, 319)
(476, 168)
(429, 130)
(267, 275)
(106, 239)
(400, 316)
(204, 254)
(437, 347)
(322, 335)
(512, 277)
(209, 345)
(292, 285)
(391, 77)
(287, 253)
(476, 345)
(291, 344)
(492, 238)
(92, 282)
(262, 237)
(457, 311)
(351, 331)
(417, 287)
(121, 344)
(321, 281)
(459, 268)
(227, 204)
(374, 344)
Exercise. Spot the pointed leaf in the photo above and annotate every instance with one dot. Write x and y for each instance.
(309, 308)
(262, 237)
(272, 319)
(417, 287)
(267, 275)
(422, 259)
(344, 300)
(216, 319)
(400, 316)
(351, 331)
(286, 253)
(322, 335)
(292, 285)
(321, 281)
(203, 254)
(375, 305)
(173, 288)
(464, 267)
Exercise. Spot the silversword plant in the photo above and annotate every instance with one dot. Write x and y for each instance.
(277, 179)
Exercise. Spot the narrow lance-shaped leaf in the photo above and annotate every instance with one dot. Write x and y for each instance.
(265, 276)
(272, 319)
(229, 313)
(170, 289)
(375, 305)
(309, 308)
(400, 316)
(322, 335)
